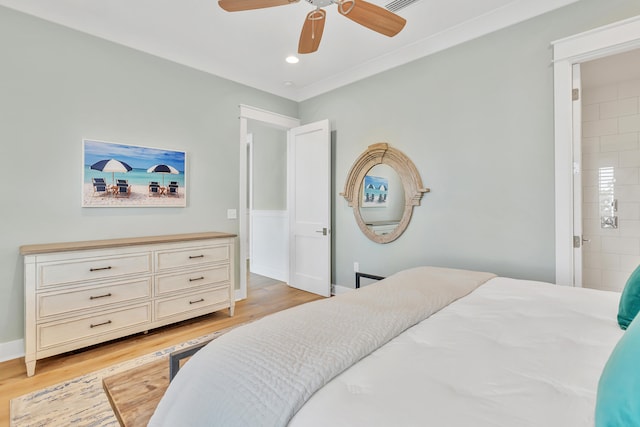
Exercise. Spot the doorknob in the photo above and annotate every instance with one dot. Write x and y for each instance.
(323, 231)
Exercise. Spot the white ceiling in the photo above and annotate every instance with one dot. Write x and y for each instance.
(250, 47)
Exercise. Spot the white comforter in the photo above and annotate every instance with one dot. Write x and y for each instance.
(512, 353)
(262, 373)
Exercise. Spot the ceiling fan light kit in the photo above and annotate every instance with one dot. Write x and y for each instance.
(367, 14)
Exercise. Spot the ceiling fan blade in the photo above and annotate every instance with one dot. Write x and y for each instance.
(374, 17)
(312, 31)
(238, 5)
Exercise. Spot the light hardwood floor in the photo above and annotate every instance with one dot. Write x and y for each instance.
(261, 300)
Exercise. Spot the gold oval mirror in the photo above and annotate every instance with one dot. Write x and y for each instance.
(382, 187)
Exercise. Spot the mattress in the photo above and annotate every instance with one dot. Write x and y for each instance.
(511, 353)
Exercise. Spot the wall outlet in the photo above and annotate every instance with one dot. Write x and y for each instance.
(232, 214)
(356, 267)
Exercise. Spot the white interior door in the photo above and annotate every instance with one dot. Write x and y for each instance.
(309, 181)
(577, 174)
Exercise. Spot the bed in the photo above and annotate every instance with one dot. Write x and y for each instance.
(426, 346)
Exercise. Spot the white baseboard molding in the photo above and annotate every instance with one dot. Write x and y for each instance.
(11, 350)
(337, 289)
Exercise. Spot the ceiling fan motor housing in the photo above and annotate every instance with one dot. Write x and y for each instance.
(321, 3)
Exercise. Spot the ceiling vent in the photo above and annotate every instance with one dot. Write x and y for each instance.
(396, 5)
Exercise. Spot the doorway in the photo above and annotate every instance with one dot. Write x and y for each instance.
(304, 235)
(610, 159)
(268, 227)
(258, 126)
(613, 39)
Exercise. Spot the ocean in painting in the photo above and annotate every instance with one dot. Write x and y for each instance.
(134, 176)
(139, 158)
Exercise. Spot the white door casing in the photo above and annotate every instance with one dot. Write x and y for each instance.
(309, 203)
(597, 43)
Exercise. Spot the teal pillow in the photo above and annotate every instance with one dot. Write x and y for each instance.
(629, 300)
(618, 399)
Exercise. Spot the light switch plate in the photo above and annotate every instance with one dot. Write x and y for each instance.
(232, 214)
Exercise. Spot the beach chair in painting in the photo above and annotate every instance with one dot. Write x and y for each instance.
(99, 186)
(172, 189)
(154, 188)
(123, 190)
(122, 182)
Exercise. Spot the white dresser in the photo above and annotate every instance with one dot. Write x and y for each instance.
(82, 293)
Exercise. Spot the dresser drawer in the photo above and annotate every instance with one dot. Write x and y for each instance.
(196, 301)
(64, 332)
(171, 259)
(73, 300)
(192, 279)
(86, 269)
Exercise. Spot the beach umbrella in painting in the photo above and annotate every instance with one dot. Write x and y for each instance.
(111, 165)
(163, 169)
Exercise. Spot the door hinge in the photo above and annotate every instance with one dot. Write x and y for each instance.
(575, 94)
(580, 241)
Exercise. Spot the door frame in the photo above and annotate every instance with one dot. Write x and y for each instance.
(598, 43)
(269, 118)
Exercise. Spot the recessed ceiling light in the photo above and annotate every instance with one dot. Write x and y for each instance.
(288, 83)
(292, 59)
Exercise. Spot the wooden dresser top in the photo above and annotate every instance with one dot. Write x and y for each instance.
(110, 243)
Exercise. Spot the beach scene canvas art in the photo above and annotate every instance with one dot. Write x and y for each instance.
(375, 192)
(122, 175)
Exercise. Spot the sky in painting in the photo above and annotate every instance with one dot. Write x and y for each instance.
(135, 156)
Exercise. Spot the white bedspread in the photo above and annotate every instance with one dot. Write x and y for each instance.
(262, 373)
(512, 353)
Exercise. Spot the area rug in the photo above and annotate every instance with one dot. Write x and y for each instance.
(82, 401)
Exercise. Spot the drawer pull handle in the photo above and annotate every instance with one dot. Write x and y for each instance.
(100, 296)
(196, 279)
(100, 324)
(100, 268)
(195, 302)
(195, 256)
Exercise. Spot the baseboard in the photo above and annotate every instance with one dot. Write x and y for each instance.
(337, 289)
(11, 350)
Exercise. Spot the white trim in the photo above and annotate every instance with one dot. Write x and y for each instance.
(11, 350)
(597, 43)
(337, 289)
(276, 120)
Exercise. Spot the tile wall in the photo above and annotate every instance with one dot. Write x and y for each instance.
(611, 165)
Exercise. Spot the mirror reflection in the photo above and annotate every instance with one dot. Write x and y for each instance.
(382, 201)
(382, 187)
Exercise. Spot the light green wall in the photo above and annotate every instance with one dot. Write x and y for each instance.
(477, 120)
(58, 86)
(269, 167)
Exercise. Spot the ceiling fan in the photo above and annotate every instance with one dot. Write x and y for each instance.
(374, 17)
